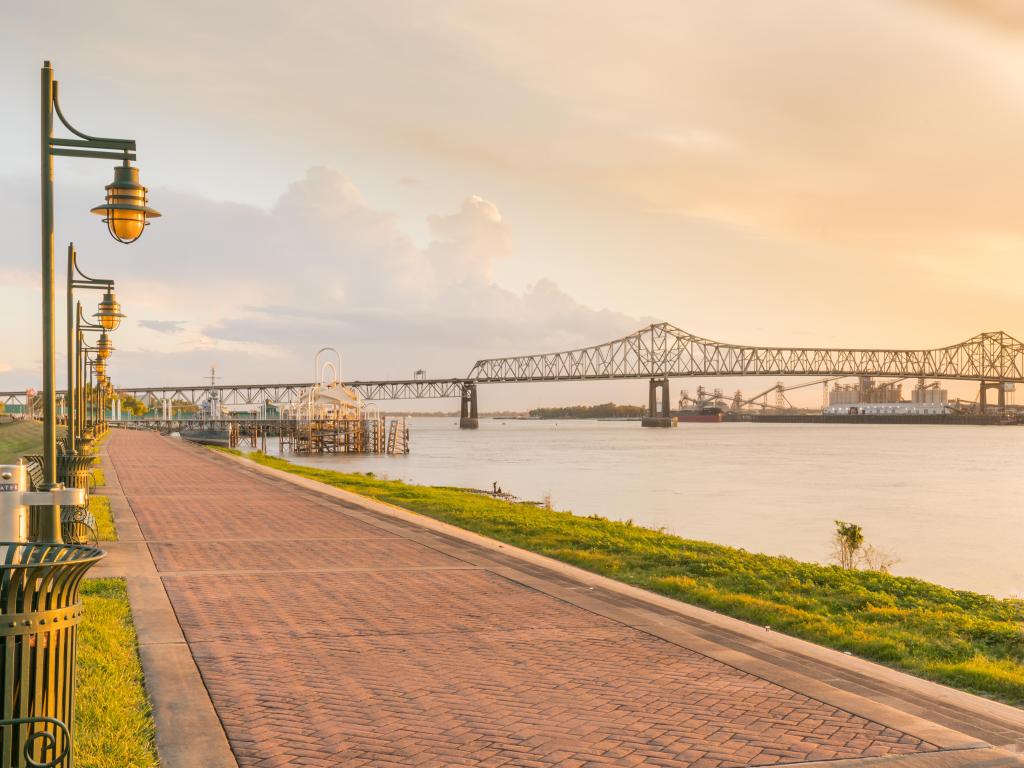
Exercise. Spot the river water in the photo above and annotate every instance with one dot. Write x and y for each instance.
(945, 500)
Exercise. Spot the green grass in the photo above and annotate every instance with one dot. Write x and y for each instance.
(113, 719)
(100, 508)
(963, 639)
(114, 724)
(18, 438)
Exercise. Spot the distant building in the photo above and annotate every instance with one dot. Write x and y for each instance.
(868, 398)
(886, 409)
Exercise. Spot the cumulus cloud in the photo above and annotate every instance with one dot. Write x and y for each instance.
(384, 299)
(337, 246)
(468, 243)
(264, 288)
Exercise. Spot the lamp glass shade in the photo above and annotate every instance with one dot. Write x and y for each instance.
(125, 210)
(126, 226)
(109, 312)
(104, 347)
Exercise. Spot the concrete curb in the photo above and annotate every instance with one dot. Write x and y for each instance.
(188, 731)
(676, 621)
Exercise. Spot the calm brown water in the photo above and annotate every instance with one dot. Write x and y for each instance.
(946, 500)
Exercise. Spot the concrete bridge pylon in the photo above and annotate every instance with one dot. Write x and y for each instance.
(659, 414)
(469, 415)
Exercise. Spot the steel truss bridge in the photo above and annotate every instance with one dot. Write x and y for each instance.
(238, 395)
(664, 351)
(657, 352)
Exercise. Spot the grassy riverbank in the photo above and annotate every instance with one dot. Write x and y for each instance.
(113, 718)
(963, 639)
(18, 438)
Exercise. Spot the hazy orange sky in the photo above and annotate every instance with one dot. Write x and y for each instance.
(424, 184)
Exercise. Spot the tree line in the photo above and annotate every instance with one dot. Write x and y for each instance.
(602, 411)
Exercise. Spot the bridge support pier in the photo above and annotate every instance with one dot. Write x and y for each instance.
(983, 389)
(659, 417)
(469, 417)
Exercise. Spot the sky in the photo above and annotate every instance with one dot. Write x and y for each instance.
(425, 184)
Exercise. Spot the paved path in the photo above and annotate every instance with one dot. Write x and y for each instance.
(329, 633)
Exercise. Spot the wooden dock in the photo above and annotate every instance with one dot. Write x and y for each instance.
(378, 435)
(373, 435)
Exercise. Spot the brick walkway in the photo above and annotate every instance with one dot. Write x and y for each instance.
(325, 640)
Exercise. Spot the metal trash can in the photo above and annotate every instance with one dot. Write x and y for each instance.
(13, 512)
(78, 526)
(41, 608)
(15, 499)
(72, 469)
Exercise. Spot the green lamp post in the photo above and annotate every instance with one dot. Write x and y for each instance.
(125, 212)
(108, 315)
(77, 279)
(92, 365)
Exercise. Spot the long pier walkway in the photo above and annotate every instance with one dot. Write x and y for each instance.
(330, 631)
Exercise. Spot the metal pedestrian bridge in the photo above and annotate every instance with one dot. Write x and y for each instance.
(658, 352)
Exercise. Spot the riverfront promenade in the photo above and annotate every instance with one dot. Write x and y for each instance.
(330, 631)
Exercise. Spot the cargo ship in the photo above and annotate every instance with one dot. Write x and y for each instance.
(706, 407)
(708, 414)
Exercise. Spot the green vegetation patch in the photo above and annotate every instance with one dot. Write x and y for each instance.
(18, 438)
(964, 639)
(100, 508)
(602, 411)
(113, 718)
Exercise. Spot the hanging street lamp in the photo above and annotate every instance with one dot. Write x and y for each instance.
(40, 580)
(77, 279)
(91, 393)
(103, 346)
(108, 313)
(125, 212)
(82, 363)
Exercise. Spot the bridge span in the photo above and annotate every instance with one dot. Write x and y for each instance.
(658, 352)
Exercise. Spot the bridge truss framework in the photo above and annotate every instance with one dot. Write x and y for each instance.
(659, 351)
(664, 351)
